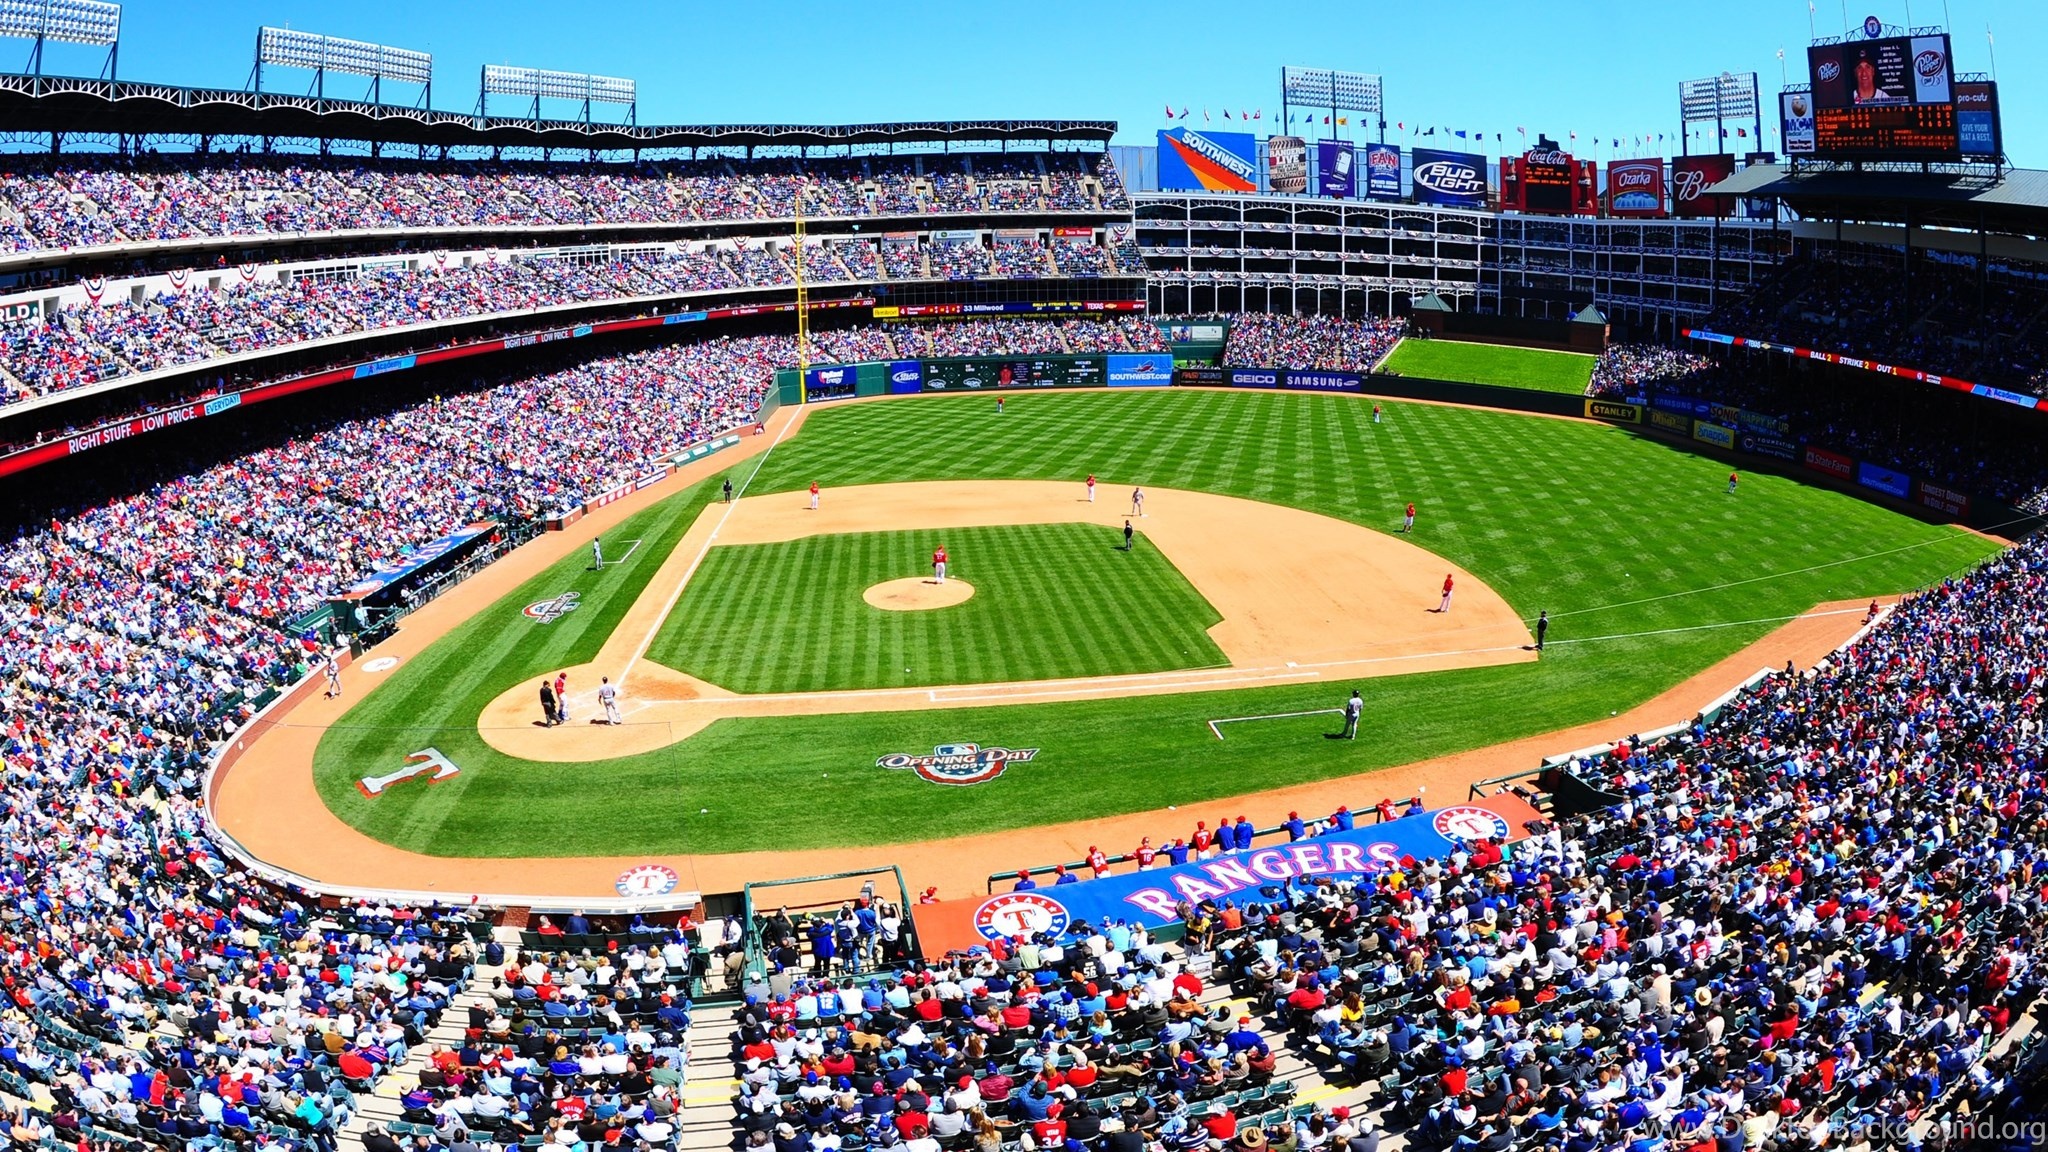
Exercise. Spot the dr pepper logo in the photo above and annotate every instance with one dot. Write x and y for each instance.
(1929, 63)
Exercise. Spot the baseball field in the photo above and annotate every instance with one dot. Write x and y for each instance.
(1532, 368)
(762, 684)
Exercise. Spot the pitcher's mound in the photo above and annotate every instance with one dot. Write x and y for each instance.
(917, 594)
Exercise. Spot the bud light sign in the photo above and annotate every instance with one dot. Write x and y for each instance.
(1383, 171)
(906, 376)
(1453, 179)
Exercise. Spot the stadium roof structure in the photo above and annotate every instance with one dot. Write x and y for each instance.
(76, 105)
(2014, 200)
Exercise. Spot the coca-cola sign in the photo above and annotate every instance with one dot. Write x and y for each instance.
(1546, 156)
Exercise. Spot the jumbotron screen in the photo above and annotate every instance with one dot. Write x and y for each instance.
(1887, 97)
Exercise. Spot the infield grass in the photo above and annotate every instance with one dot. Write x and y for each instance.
(1650, 569)
(1532, 368)
(1050, 601)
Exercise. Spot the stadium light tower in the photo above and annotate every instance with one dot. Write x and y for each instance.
(537, 84)
(1729, 96)
(91, 22)
(1337, 91)
(287, 48)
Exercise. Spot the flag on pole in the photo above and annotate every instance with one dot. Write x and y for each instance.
(1169, 111)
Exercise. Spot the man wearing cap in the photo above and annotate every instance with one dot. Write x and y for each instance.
(1024, 881)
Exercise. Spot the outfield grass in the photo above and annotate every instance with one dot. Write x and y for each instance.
(789, 617)
(1531, 368)
(1650, 569)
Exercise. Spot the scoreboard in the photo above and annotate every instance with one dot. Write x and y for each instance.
(1908, 131)
(1877, 98)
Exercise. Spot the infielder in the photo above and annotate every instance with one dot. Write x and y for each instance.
(939, 563)
(1408, 522)
(597, 552)
(609, 697)
(1137, 501)
(1091, 487)
(814, 495)
(1445, 605)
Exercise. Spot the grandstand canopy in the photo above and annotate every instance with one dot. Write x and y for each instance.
(75, 105)
(2012, 201)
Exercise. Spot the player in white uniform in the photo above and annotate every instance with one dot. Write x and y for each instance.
(597, 552)
(609, 697)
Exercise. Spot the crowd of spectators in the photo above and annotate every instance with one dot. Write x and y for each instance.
(1855, 301)
(1633, 369)
(74, 201)
(1028, 337)
(1262, 340)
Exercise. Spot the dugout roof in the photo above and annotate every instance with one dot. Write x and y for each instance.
(2014, 200)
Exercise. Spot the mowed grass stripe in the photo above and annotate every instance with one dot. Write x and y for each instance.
(1532, 368)
(1051, 601)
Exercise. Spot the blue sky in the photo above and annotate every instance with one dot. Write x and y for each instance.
(1603, 70)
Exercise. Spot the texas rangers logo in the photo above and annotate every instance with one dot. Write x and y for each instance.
(428, 762)
(1020, 914)
(959, 763)
(647, 880)
(1469, 822)
(550, 610)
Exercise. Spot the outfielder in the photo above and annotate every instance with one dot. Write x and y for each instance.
(608, 695)
(939, 563)
(1408, 522)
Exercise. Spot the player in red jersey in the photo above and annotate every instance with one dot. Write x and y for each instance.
(939, 563)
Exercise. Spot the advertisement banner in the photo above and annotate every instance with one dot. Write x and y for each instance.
(906, 376)
(1765, 444)
(1320, 381)
(1199, 378)
(1149, 897)
(1943, 499)
(1450, 179)
(1615, 411)
(1191, 161)
(1287, 165)
(1718, 435)
(1691, 176)
(1635, 187)
(1833, 463)
(1671, 422)
(1884, 480)
(834, 380)
(1383, 171)
(1195, 333)
(1336, 176)
(1795, 122)
(1154, 370)
(1977, 118)
(1544, 180)
(1254, 377)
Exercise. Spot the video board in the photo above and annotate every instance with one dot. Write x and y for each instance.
(1882, 97)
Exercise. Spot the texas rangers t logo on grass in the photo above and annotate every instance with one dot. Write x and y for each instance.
(1469, 822)
(1020, 914)
(959, 763)
(554, 608)
(428, 762)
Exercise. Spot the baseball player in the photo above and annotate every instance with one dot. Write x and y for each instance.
(1098, 862)
(939, 563)
(1137, 501)
(999, 405)
(1445, 604)
(597, 553)
(1731, 483)
(1353, 709)
(814, 495)
(1375, 412)
(333, 674)
(562, 697)
(608, 695)
(1091, 487)
(1408, 522)
(1145, 854)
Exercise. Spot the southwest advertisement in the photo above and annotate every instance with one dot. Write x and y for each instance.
(1383, 171)
(1451, 179)
(1336, 174)
(1191, 161)
(1154, 370)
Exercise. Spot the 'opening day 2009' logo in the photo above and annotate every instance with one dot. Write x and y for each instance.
(553, 608)
(959, 763)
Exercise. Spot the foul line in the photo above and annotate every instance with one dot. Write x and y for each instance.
(626, 555)
(1268, 716)
(669, 606)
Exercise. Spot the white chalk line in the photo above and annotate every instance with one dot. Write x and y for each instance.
(669, 605)
(626, 555)
(1268, 716)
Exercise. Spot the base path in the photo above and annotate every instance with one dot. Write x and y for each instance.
(1303, 597)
